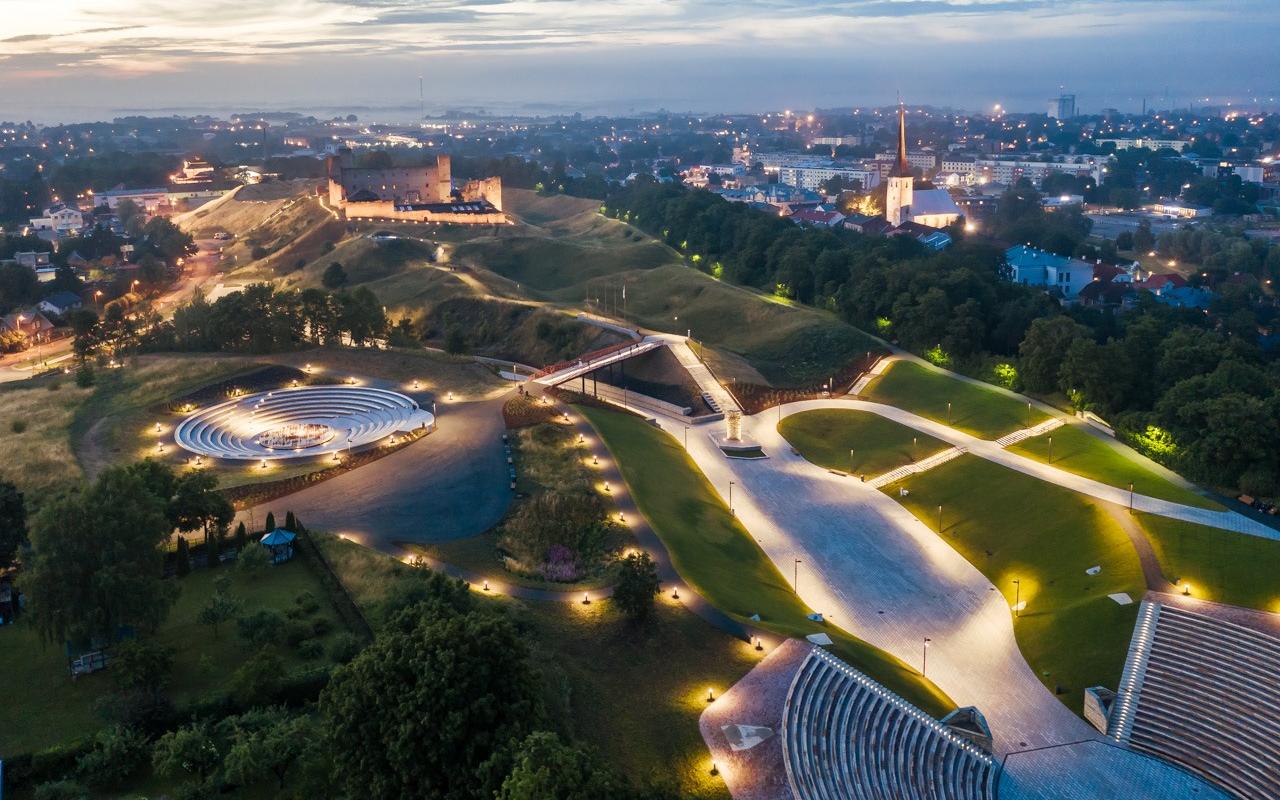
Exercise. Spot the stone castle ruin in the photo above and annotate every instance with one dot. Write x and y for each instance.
(412, 194)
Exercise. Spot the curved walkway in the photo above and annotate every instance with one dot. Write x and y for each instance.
(984, 448)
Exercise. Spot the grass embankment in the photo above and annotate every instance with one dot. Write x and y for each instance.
(978, 411)
(1012, 526)
(47, 707)
(594, 666)
(1222, 566)
(34, 423)
(715, 554)
(857, 442)
(782, 344)
(1078, 451)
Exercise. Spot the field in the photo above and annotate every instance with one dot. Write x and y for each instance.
(49, 708)
(1219, 565)
(34, 420)
(716, 555)
(1012, 526)
(984, 413)
(827, 437)
(1077, 450)
(594, 665)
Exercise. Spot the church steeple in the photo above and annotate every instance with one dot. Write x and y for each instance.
(902, 168)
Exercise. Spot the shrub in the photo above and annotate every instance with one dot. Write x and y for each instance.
(334, 277)
(118, 752)
(344, 648)
(54, 385)
(18, 425)
(141, 664)
(253, 560)
(261, 628)
(296, 632)
(61, 790)
(257, 680)
(149, 712)
(85, 377)
(307, 603)
(311, 649)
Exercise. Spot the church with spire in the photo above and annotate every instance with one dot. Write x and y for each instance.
(904, 203)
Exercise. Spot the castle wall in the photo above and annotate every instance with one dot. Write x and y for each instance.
(386, 209)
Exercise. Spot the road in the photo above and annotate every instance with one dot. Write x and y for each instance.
(198, 271)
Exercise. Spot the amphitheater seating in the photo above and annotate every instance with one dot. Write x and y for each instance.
(844, 736)
(1204, 694)
(358, 416)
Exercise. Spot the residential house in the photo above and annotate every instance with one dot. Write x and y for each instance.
(1060, 275)
(60, 304)
(28, 322)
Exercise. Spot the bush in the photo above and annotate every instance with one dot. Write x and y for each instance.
(18, 425)
(257, 680)
(261, 628)
(311, 649)
(54, 385)
(259, 252)
(321, 626)
(141, 664)
(344, 648)
(334, 277)
(149, 712)
(306, 603)
(61, 790)
(85, 377)
(118, 753)
(253, 560)
(296, 632)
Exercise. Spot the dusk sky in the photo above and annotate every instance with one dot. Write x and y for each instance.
(72, 59)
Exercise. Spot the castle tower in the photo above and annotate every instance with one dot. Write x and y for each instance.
(897, 198)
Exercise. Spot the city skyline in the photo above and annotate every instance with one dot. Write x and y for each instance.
(83, 61)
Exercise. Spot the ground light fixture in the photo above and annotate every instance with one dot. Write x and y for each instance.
(714, 769)
(675, 593)
(486, 585)
(759, 644)
(711, 695)
(586, 599)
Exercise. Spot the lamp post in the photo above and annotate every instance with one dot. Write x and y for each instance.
(850, 461)
(924, 657)
(1130, 497)
(731, 499)
(948, 413)
(686, 437)
(939, 518)
(795, 579)
(1017, 597)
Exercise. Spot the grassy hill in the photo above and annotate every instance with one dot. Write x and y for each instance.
(525, 333)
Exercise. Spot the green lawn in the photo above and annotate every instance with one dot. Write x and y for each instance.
(1076, 450)
(827, 436)
(49, 708)
(715, 554)
(1220, 565)
(1012, 526)
(984, 413)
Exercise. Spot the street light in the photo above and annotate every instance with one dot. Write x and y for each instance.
(1017, 597)
(795, 579)
(731, 499)
(924, 657)
(1050, 449)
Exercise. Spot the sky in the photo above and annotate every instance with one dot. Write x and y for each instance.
(67, 60)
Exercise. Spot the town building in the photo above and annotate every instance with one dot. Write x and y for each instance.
(813, 177)
(904, 203)
(32, 259)
(1062, 107)
(1179, 209)
(1031, 266)
(1177, 145)
(60, 304)
(152, 200)
(60, 218)
(1010, 171)
(412, 194)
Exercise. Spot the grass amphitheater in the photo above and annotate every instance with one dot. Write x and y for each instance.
(301, 422)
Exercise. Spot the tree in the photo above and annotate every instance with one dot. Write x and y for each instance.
(253, 560)
(197, 504)
(141, 664)
(265, 742)
(1143, 239)
(547, 769)
(425, 707)
(637, 584)
(188, 751)
(334, 277)
(455, 341)
(13, 523)
(97, 562)
(221, 606)
(118, 752)
(183, 558)
(271, 522)
(257, 680)
(241, 536)
(1044, 349)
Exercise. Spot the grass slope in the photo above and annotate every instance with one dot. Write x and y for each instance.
(1076, 450)
(50, 708)
(714, 553)
(788, 345)
(878, 445)
(1012, 526)
(981, 412)
(1220, 565)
